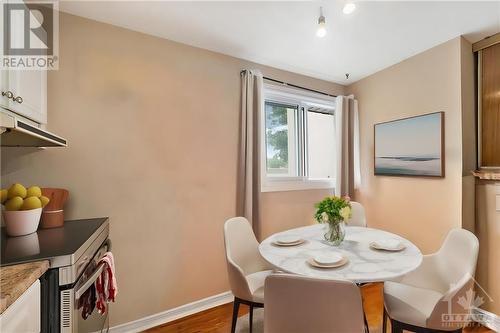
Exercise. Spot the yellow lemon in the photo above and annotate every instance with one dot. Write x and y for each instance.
(44, 200)
(16, 190)
(31, 203)
(34, 191)
(14, 203)
(3, 195)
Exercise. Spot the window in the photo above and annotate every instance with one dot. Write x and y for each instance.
(320, 139)
(281, 139)
(298, 150)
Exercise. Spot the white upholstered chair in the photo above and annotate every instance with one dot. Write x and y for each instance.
(247, 270)
(298, 304)
(418, 302)
(358, 218)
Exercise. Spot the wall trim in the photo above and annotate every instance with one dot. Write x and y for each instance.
(164, 317)
(486, 42)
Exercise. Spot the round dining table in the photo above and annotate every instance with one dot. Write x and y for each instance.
(364, 264)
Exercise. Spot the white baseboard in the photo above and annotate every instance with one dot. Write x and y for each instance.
(142, 324)
(487, 319)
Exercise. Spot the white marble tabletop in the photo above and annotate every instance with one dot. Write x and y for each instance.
(365, 264)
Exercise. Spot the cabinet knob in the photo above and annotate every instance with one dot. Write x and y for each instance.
(8, 94)
(18, 99)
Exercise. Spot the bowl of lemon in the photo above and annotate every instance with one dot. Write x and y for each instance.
(22, 209)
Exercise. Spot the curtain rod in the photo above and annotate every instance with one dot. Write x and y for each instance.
(293, 85)
(298, 87)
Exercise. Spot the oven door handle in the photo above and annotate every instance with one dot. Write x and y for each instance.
(79, 292)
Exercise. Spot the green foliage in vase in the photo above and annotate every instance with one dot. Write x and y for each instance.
(333, 209)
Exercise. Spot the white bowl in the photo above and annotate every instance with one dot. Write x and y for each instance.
(22, 222)
(328, 258)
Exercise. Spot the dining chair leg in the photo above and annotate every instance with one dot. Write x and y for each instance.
(236, 307)
(384, 321)
(251, 318)
(396, 327)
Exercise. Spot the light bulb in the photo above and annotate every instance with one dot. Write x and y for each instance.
(321, 32)
(349, 8)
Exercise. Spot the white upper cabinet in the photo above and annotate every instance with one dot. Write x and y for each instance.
(24, 91)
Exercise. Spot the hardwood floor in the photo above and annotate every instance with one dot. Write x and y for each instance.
(218, 320)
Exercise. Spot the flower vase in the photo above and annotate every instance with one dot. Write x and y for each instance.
(334, 232)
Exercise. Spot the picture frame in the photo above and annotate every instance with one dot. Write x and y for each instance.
(410, 147)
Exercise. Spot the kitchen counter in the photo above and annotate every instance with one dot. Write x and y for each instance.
(16, 279)
(487, 175)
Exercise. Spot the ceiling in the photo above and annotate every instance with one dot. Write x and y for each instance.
(282, 33)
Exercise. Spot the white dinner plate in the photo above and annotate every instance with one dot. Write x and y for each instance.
(388, 245)
(300, 241)
(288, 239)
(328, 258)
(341, 263)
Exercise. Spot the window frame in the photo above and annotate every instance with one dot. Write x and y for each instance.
(297, 134)
(303, 99)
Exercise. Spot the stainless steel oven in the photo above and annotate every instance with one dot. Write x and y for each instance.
(71, 275)
(74, 317)
(73, 252)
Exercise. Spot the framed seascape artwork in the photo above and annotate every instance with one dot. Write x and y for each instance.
(411, 146)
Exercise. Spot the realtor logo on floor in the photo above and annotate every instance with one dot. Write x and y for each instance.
(30, 35)
(461, 306)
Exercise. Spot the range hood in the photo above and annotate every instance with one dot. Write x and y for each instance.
(16, 132)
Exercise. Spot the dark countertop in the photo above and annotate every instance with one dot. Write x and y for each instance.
(47, 243)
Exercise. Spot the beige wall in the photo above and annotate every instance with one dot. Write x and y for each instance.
(469, 138)
(422, 209)
(153, 135)
(469, 112)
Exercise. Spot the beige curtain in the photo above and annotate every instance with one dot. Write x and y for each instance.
(248, 188)
(348, 175)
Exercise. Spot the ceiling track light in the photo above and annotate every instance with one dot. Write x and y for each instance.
(349, 7)
(321, 32)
